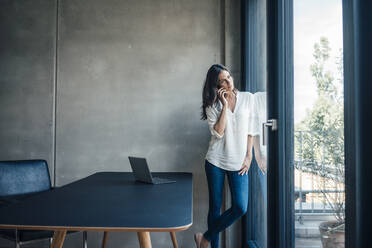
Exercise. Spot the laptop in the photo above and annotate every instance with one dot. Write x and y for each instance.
(142, 172)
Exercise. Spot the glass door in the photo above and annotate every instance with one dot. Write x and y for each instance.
(293, 65)
(319, 193)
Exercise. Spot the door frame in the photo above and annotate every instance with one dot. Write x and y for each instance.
(357, 38)
(356, 126)
(280, 96)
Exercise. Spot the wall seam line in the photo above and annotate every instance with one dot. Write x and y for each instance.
(55, 95)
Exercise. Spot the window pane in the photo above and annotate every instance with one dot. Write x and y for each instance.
(319, 125)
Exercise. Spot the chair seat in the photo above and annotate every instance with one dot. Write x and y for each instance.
(25, 235)
(20, 180)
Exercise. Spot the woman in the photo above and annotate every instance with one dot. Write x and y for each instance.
(228, 112)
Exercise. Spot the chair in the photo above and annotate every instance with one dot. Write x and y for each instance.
(20, 180)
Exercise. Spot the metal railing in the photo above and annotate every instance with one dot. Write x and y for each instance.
(317, 171)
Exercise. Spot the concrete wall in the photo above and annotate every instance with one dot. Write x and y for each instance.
(129, 76)
(27, 50)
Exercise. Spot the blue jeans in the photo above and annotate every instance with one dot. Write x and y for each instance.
(239, 200)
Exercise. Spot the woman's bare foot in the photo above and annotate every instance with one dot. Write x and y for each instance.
(200, 241)
(204, 243)
(198, 238)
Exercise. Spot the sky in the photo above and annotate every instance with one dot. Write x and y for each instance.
(312, 20)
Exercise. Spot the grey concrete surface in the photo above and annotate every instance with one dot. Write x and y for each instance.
(130, 76)
(27, 47)
(129, 82)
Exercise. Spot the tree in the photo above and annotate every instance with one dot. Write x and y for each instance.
(321, 145)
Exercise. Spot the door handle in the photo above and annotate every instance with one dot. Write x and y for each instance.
(273, 123)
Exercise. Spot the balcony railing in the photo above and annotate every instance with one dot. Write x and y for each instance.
(316, 177)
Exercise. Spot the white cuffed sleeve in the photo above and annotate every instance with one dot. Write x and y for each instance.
(212, 118)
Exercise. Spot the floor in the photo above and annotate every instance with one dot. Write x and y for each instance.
(307, 231)
(308, 243)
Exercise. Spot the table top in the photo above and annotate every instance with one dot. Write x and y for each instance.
(111, 201)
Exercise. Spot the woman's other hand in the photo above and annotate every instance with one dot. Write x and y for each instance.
(222, 96)
(246, 165)
(262, 165)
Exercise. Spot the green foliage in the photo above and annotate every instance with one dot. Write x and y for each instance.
(319, 138)
(323, 140)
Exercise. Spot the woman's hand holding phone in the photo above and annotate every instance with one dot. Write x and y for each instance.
(221, 92)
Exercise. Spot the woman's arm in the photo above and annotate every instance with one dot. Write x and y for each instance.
(220, 125)
(249, 145)
(261, 160)
(248, 157)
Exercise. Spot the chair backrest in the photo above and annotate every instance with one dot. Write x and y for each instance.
(24, 176)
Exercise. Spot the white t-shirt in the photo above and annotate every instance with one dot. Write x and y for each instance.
(227, 151)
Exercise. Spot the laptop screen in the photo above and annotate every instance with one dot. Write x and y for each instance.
(140, 169)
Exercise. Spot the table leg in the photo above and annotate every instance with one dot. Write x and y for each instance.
(85, 239)
(104, 240)
(174, 240)
(144, 239)
(58, 239)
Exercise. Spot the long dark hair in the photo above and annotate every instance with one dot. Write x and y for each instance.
(210, 87)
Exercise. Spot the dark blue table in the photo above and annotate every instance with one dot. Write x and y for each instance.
(107, 201)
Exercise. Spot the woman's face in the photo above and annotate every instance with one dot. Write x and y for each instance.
(225, 80)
